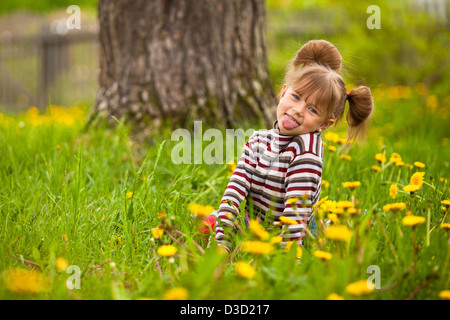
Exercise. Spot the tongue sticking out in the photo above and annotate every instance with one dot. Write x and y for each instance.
(288, 122)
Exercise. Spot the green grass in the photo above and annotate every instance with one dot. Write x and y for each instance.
(58, 180)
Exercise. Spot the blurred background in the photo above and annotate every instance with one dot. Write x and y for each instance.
(42, 62)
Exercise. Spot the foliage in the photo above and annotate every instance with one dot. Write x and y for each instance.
(108, 204)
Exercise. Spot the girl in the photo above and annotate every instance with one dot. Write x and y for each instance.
(284, 164)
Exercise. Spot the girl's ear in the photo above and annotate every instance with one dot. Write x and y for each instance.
(326, 124)
(283, 91)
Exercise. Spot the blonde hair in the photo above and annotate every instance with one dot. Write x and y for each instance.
(315, 71)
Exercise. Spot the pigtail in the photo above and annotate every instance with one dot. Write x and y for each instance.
(359, 113)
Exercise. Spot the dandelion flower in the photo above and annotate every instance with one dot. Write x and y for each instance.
(129, 195)
(258, 230)
(334, 296)
(351, 184)
(345, 204)
(61, 264)
(445, 294)
(412, 220)
(411, 188)
(167, 250)
(445, 226)
(417, 179)
(325, 184)
(419, 164)
(332, 136)
(340, 233)
(394, 206)
(257, 247)
(395, 157)
(393, 190)
(244, 270)
(345, 157)
(375, 168)
(446, 203)
(20, 280)
(332, 148)
(325, 256)
(276, 239)
(288, 221)
(380, 157)
(157, 233)
(176, 294)
(333, 217)
(358, 288)
(292, 200)
(200, 210)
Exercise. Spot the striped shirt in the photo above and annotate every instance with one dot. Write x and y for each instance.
(272, 169)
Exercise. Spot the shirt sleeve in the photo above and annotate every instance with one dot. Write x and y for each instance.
(236, 191)
(303, 181)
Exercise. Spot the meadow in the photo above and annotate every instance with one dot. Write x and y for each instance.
(121, 212)
(93, 213)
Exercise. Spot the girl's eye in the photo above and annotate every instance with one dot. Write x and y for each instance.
(296, 97)
(312, 110)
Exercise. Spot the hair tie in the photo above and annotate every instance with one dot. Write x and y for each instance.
(348, 95)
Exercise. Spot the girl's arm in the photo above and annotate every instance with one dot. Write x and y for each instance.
(236, 191)
(303, 182)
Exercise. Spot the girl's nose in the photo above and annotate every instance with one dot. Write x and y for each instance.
(299, 109)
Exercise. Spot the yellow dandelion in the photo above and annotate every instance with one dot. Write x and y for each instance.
(129, 195)
(334, 296)
(276, 239)
(446, 202)
(292, 200)
(167, 250)
(325, 256)
(61, 264)
(358, 288)
(339, 233)
(325, 184)
(328, 205)
(444, 294)
(258, 230)
(412, 220)
(411, 188)
(345, 204)
(157, 233)
(419, 164)
(395, 157)
(445, 226)
(332, 148)
(19, 280)
(393, 190)
(380, 157)
(352, 211)
(231, 167)
(399, 163)
(375, 168)
(200, 210)
(345, 157)
(333, 217)
(257, 247)
(245, 270)
(320, 202)
(351, 184)
(394, 206)
(417, 179)
(288, 221)
(332, 136)
(178, 293)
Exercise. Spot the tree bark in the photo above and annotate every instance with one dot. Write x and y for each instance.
(183, 60)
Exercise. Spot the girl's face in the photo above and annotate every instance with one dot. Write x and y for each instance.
(296, 116)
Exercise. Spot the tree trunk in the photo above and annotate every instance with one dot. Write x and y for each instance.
(183, 60)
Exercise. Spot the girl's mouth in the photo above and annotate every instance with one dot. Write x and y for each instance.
(289, 122)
